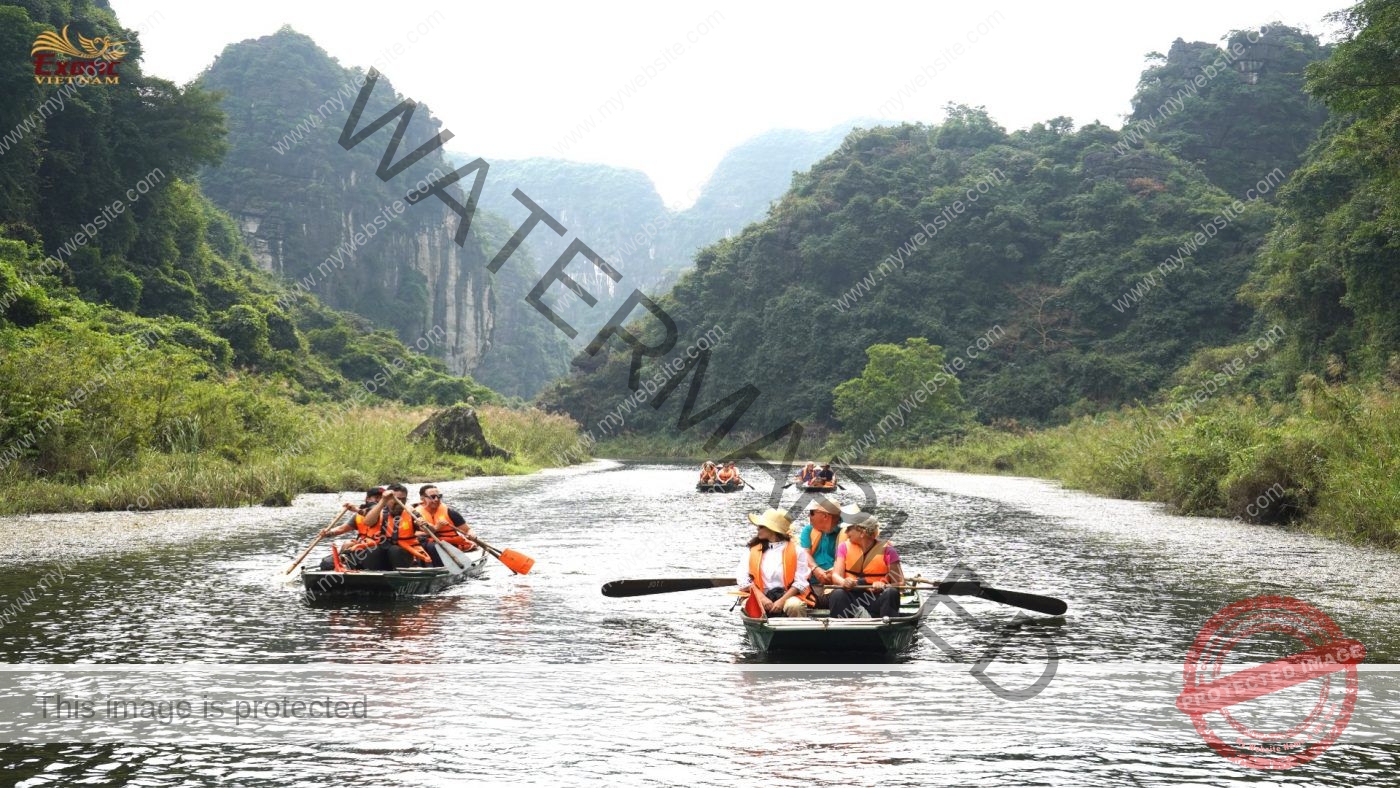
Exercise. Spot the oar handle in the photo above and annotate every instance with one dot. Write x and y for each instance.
(315, 542)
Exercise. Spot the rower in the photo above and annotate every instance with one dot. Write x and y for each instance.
(808, 473)
(870, 562)
(727, 474)
(773, 568)
(363, 552)
(443, 520)
(819, 538)
(707, 473)
(825, 477)
(734, 477)
(397, 520)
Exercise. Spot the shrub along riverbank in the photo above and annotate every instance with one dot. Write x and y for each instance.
(1328, 461)
(353, 450)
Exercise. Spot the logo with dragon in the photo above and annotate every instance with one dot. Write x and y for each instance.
(92, 61)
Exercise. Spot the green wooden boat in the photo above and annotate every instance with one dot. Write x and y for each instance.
(819, 633)
(718, 488)
(816, 488)
(324, 586)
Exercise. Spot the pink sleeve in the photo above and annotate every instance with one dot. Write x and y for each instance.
(891, 555)
(840, 552)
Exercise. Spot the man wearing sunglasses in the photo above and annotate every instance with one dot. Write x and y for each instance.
(442, 519)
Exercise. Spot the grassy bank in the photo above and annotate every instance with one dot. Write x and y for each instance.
(1328, 461)
(367, 447)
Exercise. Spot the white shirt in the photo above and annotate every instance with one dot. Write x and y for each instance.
(772, 567)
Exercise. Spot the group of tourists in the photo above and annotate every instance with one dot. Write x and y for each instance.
(725, 474)
(390, 534)
(813, 476)
(837, 562)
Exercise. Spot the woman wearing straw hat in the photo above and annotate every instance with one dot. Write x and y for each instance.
(772, 569)
(866, 560)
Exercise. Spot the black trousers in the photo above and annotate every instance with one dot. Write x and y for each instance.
(885, 603)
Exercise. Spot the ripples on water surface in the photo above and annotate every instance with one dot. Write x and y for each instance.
(554, 683)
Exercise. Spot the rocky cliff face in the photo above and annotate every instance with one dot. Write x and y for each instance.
(318, 215)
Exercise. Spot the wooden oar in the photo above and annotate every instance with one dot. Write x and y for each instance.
(518, 563)
(664, 585)
(1048, 605)
(319, 537)
(447, 560)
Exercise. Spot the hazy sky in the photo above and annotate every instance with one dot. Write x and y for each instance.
(668, 88)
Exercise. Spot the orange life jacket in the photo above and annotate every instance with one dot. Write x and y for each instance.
(789, 570)
(405, 535)
(441, 524)
(867, 568)
(817, 537)
(726, 476)
(789, 564)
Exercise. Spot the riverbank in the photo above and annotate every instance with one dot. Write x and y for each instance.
(367, 446)
(1328, 462)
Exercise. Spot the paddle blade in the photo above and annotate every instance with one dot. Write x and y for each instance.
(1048, 605)
(335, 559)
(665, 585)
(518, 563)
(752, 608)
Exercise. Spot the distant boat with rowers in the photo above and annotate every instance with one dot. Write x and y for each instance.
(718, 488)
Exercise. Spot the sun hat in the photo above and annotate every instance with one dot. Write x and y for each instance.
(866, 522)
(825, 503)
(775, 520)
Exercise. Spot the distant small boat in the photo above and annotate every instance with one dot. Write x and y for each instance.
(720, 488)
(819, 632)
(816, 487)
(330, 585)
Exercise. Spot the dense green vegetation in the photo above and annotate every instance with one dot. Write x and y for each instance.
(141, 345)
(1195, 309)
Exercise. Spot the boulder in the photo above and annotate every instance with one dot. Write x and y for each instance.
(457, 431)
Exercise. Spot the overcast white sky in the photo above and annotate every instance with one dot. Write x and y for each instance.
(520, 79)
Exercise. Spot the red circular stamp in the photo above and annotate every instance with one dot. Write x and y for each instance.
(1301, 724)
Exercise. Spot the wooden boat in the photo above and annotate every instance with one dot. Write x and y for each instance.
(325, 585)
(819, 633)
(816, 488)
(720, 488)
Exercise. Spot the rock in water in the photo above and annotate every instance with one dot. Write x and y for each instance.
(456, 430)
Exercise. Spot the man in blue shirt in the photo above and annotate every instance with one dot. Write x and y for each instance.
(819, 537)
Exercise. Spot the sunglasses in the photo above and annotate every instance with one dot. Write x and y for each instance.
(432, 497)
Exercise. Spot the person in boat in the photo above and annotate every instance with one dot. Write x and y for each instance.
(825, 477)
(444, 521)
(773, 568)
(365, 550)
(868, 571)
(707, 473)
(818, 538)
(728, 475)
(808, 473)
(397, 521)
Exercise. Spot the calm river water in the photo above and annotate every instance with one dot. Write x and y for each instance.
(539, 679)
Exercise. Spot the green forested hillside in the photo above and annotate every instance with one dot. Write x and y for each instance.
(140, 341)
(301, 197)
(1204, 297)
(1055, 227)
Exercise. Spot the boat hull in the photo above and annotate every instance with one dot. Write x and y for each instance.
(324, 585)
(815, 488)
(718, 488)
(819, 633)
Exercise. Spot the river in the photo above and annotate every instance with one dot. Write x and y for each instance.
(540, 679)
